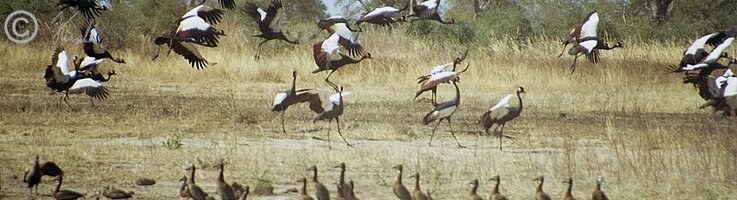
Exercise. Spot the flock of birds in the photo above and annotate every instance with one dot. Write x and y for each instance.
(344, 189)
(716, 82)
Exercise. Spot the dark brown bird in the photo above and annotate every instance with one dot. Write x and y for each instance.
(438, 75)
(60, 78)
(183, 190)
(244, 194)
(472, 195)
(569, 195)
(284, 99)
(39, 169)
(351, 195)
(342, 185)
(225, 190)
(113, 193)
(195, 27)
(321, 192)
(303, 191)
(417, 194)
(145, 181)
(539, 193)
(495, 195)
(348, 36)
(269, 23)
(382, 16)
(508, 108)
(399, 190)
(65, 194)
(195, 191)
(89, 8)
(598, 194)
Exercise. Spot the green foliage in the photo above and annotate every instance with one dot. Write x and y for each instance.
(433, 30)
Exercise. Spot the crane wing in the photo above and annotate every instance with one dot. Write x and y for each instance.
(90, 87)
(589, 25)
(502, 104)
(190, 52)
(61, 60)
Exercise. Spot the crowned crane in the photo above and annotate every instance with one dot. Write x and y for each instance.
(89, 8)
(195, 191)
(195, 27)
(333, 110)
(321, 192)
(444, 111)
(598, 194)
(65, 194)
(417, 193)
(284, 99)
(539, 193)
(588, 43)
(508, 108)
(712, 60)
(89, 68)
(186, 49)
(269, 23)
(328, 57)
(92, 43)
(472, 195)
(428, 10)
(430, 81)
(495, 195)
(59, 78)
(695, 53)
(569, 192)
(399, 190)
(348, 36)
(225, 190)
(183, 190)
(382, 16)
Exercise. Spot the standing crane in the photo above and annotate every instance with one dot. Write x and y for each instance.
(333, 110)
(503, 111)
(284, 99)
(444, 111)
(269, 23)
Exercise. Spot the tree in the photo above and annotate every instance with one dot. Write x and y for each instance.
(662, 10)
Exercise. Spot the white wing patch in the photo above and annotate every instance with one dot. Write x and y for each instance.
(589, 28)
(429, 4)
(330, 46)
(717, 52)
(699, 44)
(441, 76)
(193, 12)
(262, 13)
(63, 62)
(342, 30)
(279, 98)
(84, 84)
(589, 45)
(445, 112)
(504, 103)
(385, 11)
(439, 68)
(89, 61)
(193, 23)
(335, 98)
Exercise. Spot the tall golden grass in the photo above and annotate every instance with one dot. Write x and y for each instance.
(625, 119)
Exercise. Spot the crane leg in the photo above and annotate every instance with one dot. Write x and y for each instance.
(283, 130)
(337, 121)
(59, 103)
(433, 133)
(501, 135)
(564, 50)
(450, 124)
(92, 102)
(573, 66)
(329, 147)
(66, 96)
(258, 50)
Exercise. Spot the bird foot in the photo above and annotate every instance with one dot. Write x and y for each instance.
(462, 147)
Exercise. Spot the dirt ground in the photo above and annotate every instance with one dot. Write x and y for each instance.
(641, 155)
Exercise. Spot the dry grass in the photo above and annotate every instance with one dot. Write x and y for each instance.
(625, 119)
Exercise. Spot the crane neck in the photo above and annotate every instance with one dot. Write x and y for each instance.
(294, 85)
(191, 176)
(417, 183)
(570, 188)
(399, 178)
(496, 188)
(342, 176)
(457, 99)
(540, 186)
(304, 187)
(220, 176)
(474, 188)
(314, 175)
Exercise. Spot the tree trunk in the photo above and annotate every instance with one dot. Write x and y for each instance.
(662, 9)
